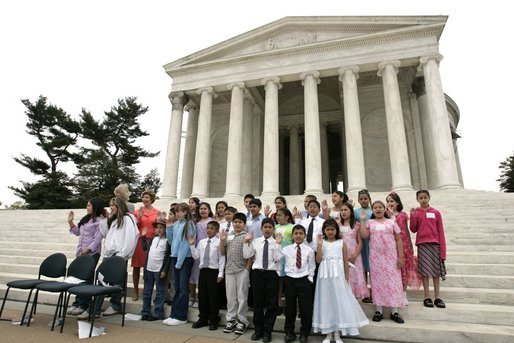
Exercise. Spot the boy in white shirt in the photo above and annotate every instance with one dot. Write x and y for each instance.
(155, 271)
(212, 267)
(266, 252)
(300, 266)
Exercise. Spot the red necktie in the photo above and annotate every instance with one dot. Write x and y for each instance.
(298, 256)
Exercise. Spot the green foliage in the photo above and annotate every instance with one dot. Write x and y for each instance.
(56, 134)
(53, 191)
(111, 155)
(507, 175)
(150, 181)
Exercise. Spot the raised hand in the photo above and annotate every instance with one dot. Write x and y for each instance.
(223, 235)
(279, 238)
(412, 211)
(248, 237)
(169, 220)
(71, 217)
(296, 214)
(363, 215)
(324, 205)
(350, 201)
(191, 240)
(140, 212)
(267, 210)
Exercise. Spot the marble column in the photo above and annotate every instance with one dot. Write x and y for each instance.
(270, 172)
(313, 176)
(169, 189)
(325, 161)
(257, 149)
(294, 161)
(426, 132)
(203, 145)
(235, 141)
(447, 174)
(399, 156)
(418, 139)
(246, 169)
(355, 170)
(189, 151)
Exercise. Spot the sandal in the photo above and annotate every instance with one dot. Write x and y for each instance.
(428, 302)
(396, 317)
(439, 303)
(377, 317)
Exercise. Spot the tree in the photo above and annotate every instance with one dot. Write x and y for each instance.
(56, 133)
(112, 155)
(150, 181)
(507, 175)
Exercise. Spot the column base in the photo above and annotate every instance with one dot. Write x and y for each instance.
(270, 194)
(355, 189)
(313, 191)
(199, 196)
(232, 195)
(450, 186)
(402, 188)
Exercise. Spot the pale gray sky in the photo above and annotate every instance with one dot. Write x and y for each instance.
(90, 53)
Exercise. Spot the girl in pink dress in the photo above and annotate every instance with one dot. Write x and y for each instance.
(385, 261)
(350, 234)
(410, 276)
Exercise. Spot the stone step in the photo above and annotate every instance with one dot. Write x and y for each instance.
(479, 281)
(414, 330)
(479, 269)
(484, 257)
(464, 295)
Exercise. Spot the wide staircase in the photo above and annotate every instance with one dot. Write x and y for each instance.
(478, 291)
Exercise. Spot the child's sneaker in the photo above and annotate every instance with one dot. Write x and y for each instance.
(230, 327)
(240, 328)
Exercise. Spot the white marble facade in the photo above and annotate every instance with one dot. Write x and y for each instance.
(303, 103)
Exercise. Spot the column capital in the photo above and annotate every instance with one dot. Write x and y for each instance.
(424, 60)
(191, 106)
(208, 90)
(275, 80)
(236, 84)
(177, 100)
(382, 65)
(292, 128)
(313, 73)
(354, 69)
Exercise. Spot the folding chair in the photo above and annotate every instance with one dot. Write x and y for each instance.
(54, 266)
(83, 268)
(111, 278)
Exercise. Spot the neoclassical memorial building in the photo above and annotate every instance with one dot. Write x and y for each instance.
(304, 103)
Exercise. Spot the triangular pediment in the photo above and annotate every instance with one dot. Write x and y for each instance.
(292, 33)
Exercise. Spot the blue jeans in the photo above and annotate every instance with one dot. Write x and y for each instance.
(152, 278)
(181, 283)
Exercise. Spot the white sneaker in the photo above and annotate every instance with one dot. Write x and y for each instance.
(174, 322)
(191, 302)
(167, 320)
(339, 340)
(195, 304)
(110, 311)
(327, 339)
(85, 315)
(77, 311)
(71, 309)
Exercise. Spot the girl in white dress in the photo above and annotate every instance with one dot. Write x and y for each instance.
(335, 308)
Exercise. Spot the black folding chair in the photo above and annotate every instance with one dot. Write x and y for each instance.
(54, 266)
(113, 273)
(83, 268)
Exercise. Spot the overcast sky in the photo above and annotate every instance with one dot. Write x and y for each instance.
(87, 54)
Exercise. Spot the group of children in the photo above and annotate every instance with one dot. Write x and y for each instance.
(319, 258)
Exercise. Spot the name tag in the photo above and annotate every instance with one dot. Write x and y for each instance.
(249, 223)
(230, 237)
(430, 215)
(345, 229)
(380, 227)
